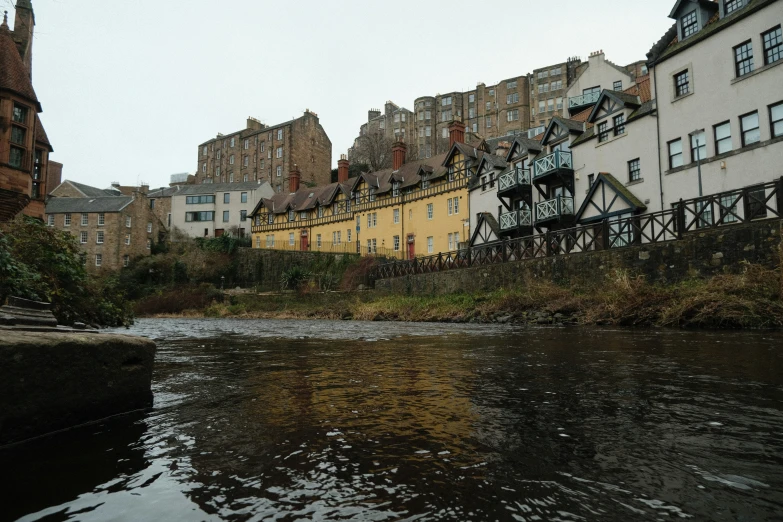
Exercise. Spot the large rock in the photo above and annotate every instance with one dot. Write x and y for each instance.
(52, 381)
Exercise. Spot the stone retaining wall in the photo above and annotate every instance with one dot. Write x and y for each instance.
(697, 254)
(263, 269)
(53, 381)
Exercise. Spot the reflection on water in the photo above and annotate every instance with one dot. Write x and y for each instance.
(271, 420)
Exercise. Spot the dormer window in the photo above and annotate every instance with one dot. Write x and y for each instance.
(451, 173)
(372, 193)
(425, 181)
(291, 215)
(730, 6)
(689, 24)
(270, 218)
(395, 189)
(320, 211)
(20, 114)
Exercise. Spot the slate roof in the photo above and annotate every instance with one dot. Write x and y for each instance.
(163, 192)
(40, 134)
(213, 188)
(618, 187)
(87, 205)
(92, 192)
(669, 44)
(14, 75)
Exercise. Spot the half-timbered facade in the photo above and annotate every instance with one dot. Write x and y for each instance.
(414, 209)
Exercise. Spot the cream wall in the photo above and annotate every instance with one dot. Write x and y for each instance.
(598, 74)
(483, 201)
(179, 208)
(717, 97)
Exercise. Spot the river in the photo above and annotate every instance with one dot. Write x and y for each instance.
(318, 420)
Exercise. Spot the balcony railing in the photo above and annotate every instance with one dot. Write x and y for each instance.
(557, 160)
(554, 208)
(513, 179)
(516, 219)
(585, 99)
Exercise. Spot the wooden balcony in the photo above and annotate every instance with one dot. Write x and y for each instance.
(514, 182)
(559, 210)
(516, 221)
(556, 166)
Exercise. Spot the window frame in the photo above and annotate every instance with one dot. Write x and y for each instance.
(703, 146)
(83, 237)
(682, 88)
(743, 60)
(618, 127)
(773, 122)
(602, 132)
(670, 155)
(744, 131)
(99, 237)
(777, 49)
(687, 27)
(634, 174)
(718, 141)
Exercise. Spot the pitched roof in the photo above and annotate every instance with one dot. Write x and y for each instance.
(582, 116)
(641, 88)
(87, 205)
(40, 134)
(92, 192)
(164, 192)
(619, 188)
(14, 75)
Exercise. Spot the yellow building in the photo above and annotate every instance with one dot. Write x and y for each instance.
(413, 209)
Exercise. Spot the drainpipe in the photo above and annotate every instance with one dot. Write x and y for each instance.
(658, 132)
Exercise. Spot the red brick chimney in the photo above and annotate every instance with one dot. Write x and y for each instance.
(398, 155)
(293, 179)
(456, 132)
(342, 169)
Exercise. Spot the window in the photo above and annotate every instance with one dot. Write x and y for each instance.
(50, 220)
(456, 205)
(619, 124)
(84, 219)
(396, 243)
(396, 214)
(430, 245)
(18, 135)
(320, 211)
(231, 160)
(348, 235)
(218, 155)
(617, 86)
(279, 172)
(731, 5)
(125, 260)
(199, 216)
(16, 157)
(743, 58)
(475, 127)
(217, 172)
(20, 114)
(511, 85)
(231, 177)
(270, 240)
(149, 244)
(395, 189)
(749, 126)
(232, 142)
(689, 24)
(243, 197)
(554, 86)
(758, 203)
(489, 106)
(451, 241)
(99, 237)
(634, 170)
(427, 115)
(512, 115)
(681, 83)
(492, 92)
(67, 220)
(127, 239)
(489, 121)
(429, 211)
(776, 120)
(98, 259)
(149, 228)
(773, 45)
(698, 146)
(445, 132)
(199, 200)
(450, 206)
(279, 134)
(246, 161)
(559, 103)
(279, 152)
(446, 100)
(445, 116)
(728, 208)
(675, 153)
(247, 144)
(722, 137)
(83, 237)
(227, 197)
(603, 132)
(512, 98)
(204, 167)
(226, 215)
(550, 104)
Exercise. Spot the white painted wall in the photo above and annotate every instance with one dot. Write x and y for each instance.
(599, 73)
(718, 96)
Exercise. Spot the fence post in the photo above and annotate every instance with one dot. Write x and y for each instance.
(779, 202)
(680, 219)
(745, 206)
(470, 257)
(637, 230)
(548, 241)
(605, 235)
(504, 254)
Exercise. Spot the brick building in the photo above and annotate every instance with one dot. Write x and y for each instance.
(111, 228)
(25, 171)
(268, 153)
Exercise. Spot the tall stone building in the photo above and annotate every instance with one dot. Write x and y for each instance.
(25, 171)
(268, 153)
(548, 86)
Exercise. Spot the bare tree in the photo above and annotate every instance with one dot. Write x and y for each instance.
(374, 149)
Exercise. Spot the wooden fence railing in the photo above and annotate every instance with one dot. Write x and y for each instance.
(753, 203)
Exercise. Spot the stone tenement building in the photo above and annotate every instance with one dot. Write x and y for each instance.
(25, 170)
(268, 153)
(112, 229)
(510, 107)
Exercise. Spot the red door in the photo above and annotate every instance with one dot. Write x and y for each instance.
(411, 249)
(304, 244)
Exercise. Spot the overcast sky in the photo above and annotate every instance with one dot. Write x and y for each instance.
(129, 88)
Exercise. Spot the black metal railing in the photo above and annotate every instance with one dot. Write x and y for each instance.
(753, 203)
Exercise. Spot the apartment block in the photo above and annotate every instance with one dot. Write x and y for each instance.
(25, 170)
(112, 229)
(267, 153)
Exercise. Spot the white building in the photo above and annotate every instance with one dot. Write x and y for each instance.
(718, 75)
(213, 209)
(593, 77)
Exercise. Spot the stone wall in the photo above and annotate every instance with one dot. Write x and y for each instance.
(263, 269)
(53, 381)
(697, 254)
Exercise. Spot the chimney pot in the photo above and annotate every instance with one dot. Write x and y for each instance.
(456, 133)
(293, 179)
(398, 155)
(342, 169)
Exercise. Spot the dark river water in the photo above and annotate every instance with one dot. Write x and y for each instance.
(316, 420)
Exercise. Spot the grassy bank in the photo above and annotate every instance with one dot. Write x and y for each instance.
(750, 299)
